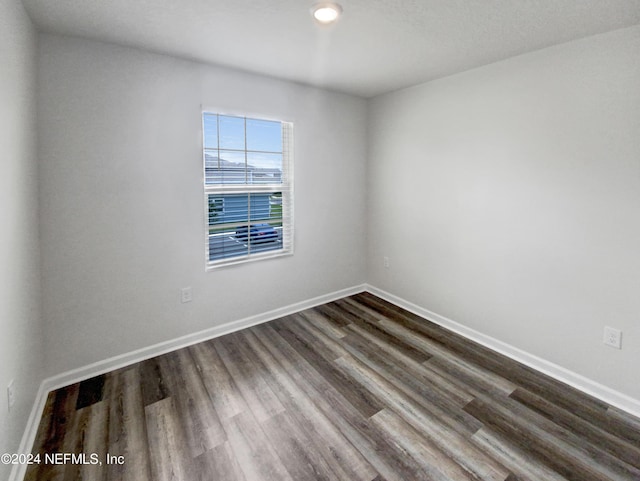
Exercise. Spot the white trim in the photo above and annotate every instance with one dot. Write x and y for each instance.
(19, 470)
(117, 362)
(608, 395)
(582, 383)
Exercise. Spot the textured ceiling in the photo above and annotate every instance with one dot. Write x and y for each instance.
(376, 47)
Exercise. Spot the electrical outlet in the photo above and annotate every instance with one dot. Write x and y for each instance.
(613, 337)
(385, 260)
(11, 395)
(186, 295)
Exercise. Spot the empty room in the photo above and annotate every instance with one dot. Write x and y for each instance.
(367, 240)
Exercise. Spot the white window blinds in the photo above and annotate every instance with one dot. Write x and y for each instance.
(248, 187)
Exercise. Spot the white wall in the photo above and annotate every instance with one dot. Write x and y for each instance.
(508, 199)
(20, 322)
(122, 198)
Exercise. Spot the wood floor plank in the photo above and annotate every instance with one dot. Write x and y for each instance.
(524, 466)
(464, 348)
(347, 463)
(362, 307)
(604, 440)
(437, 465)
(57, 421)
(289, 328)
(87, 440)
(315, 334)
(550, 443)
(455, 445)
(223, 392)
(256, 456)
(202, 428)
(168, 458)
(37, 471)
(469, 377)
(256, 392)
(565, 396)
(90, 391)
(623, 424)
(413, 382)
(442, 384)
(328, 348)
(322, 323)
(438, 340)
(219, 463)
(95, 443)
(370, 324)
(353, 390)
(387, 459)
(127, 427)
(73, 441)
(447, 359)
(361, 399)
(296, 451)
(336, 318)
(153, 387)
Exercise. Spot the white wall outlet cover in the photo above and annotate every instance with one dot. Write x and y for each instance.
(613, 337)
(186, 294)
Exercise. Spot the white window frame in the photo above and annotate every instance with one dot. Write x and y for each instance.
(285, 187)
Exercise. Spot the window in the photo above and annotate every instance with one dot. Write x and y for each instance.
(248, 188)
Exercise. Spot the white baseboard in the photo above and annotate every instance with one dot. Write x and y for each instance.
(18, 471)
(610, 396)
(584, 384)
(117, 362)
(107, 365)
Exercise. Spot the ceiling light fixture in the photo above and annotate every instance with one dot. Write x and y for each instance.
(326, 13)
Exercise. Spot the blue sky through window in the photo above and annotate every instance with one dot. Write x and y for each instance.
(231, 132)
(261, 135)
(210, 126)
(261, 139)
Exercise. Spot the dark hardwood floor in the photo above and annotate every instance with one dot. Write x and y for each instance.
(354, 390)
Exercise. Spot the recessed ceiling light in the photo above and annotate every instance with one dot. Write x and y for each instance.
(326, 12)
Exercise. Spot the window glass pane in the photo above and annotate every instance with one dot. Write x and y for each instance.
(223, 244)
(265, 237)
(230, 169)
(216, 210)
(264, 168)
(210, 126)
(266, 222)
(266, 207)
(228, 214)
(228, 209)
(211, 165)
(260, 207)
(240, 224)
(264, 135)
(275, 208)
(231, 132)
